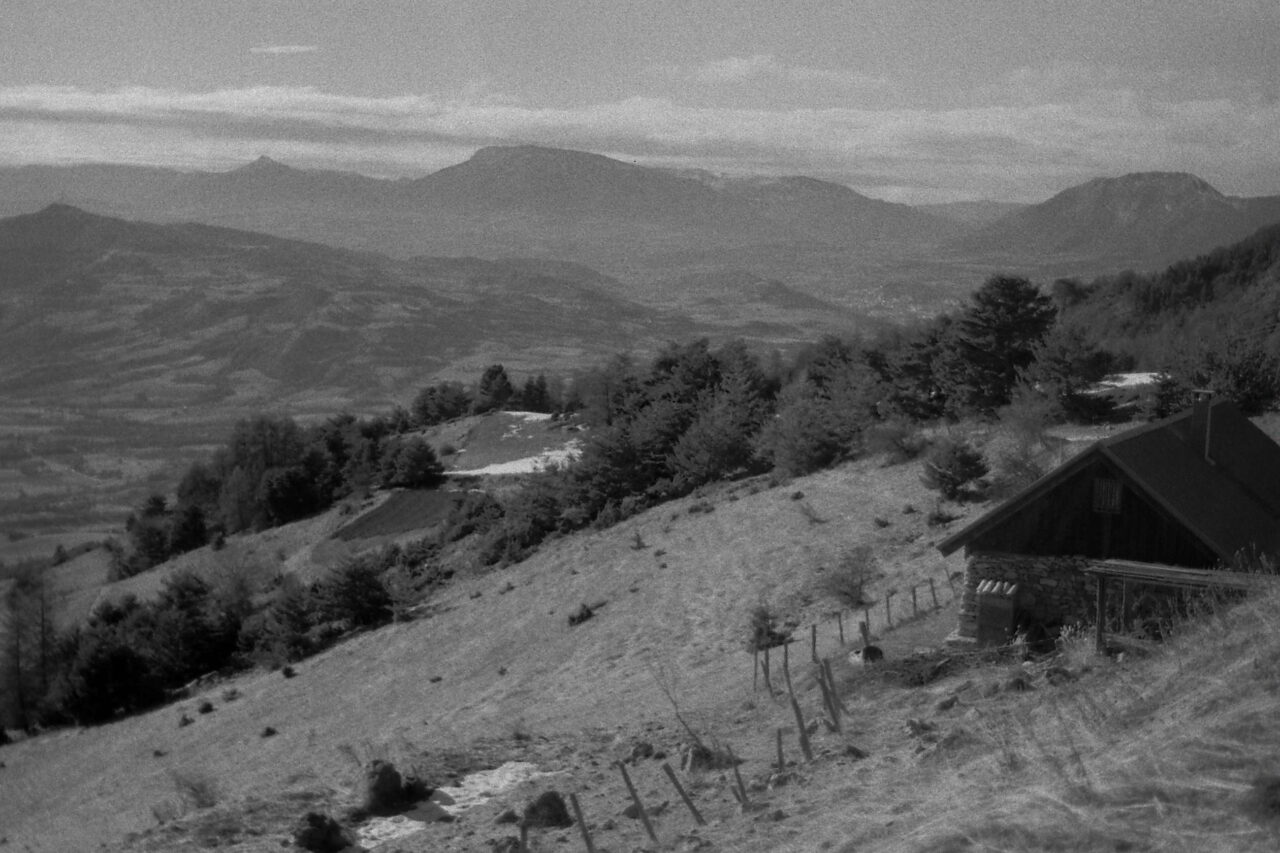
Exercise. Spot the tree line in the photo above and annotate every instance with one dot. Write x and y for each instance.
(131, 655)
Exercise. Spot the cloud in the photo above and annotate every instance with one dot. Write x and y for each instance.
(284, 49)
(766, 69)
(1014, 150)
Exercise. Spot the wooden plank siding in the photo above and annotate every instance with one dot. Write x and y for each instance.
(1064, 521)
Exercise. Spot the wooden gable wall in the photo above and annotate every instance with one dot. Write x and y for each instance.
(1064, 521)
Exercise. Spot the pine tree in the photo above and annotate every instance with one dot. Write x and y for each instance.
(993, 339)
(494, 390)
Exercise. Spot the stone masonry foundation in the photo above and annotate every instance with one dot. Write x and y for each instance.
(1051, 590)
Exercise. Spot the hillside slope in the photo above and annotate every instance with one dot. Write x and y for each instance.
(1168, 749)
(1227, 294)
(679, 605)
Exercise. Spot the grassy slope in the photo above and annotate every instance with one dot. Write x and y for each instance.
(1142, 755)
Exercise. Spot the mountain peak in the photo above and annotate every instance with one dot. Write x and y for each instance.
(539, 157)
(1172, 183)
(61, 210)
(264, 165)
(1142, 218)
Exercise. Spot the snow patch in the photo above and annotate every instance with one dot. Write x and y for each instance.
(529, 464)
(1128, 380)
(474, 789)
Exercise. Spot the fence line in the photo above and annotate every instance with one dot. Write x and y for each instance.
(926, 597)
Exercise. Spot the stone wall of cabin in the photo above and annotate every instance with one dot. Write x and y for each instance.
(1050, 589)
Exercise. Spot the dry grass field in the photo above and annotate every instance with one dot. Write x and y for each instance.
(1168, 748)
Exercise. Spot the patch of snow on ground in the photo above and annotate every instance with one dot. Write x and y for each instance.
(1128, 380)
(474, 789)
(513, 431)
(529, 464)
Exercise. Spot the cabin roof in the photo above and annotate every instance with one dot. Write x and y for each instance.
(1209, 468)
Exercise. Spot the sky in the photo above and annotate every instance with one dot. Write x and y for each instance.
(905, 100)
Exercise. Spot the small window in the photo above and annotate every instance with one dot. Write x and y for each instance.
(1106, 496)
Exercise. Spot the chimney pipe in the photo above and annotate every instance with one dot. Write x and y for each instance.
(1202, 421)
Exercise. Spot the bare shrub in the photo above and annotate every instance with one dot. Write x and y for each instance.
(765, 629)
(846, 584)
(700, 752)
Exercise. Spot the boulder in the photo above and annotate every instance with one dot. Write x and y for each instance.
(384, 789)
(320, 833)
(547, 810)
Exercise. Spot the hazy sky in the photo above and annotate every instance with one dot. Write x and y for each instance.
(911, 101)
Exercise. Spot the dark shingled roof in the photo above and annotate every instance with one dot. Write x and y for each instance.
(1229, 500)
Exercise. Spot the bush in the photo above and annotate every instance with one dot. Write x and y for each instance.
(1018, 468)
(956, 469)
(898, 440)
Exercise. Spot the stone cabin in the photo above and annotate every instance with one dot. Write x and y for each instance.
(1192, 492)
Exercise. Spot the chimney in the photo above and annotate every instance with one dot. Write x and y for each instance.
(1202, 421)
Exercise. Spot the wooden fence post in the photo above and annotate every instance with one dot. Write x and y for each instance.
(786, 665)
(933, 591)
(741, 790)
(829, 699)
(800, 729)
(582, 824)
(635, 798)
(831, 679)
(671, 774)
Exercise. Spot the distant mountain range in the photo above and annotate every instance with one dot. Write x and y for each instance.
(524, 200)
(644, 226)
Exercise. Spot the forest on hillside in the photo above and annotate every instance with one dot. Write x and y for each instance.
(693, 415)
